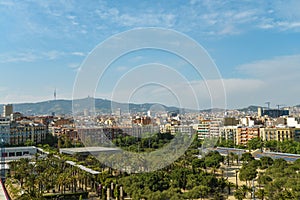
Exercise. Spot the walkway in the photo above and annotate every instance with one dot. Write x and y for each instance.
(3, 194)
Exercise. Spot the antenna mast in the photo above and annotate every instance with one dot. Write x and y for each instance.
(55, 94)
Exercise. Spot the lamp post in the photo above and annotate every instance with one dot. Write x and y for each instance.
(253, 190)
(236, 179)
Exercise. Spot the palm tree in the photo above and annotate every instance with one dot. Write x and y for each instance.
(60, 182)
(229, 186)
(245, 189)
(231, 157)
(236, 157)
(22, 171)
(74, 178)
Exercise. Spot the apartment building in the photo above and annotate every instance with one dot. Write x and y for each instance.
(22, 131)
(277, 133)
(228, 132)
(244, 134)
(4, 130)
(15, 133)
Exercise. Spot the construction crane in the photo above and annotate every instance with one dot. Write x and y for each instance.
(268, 103)
(278, 105)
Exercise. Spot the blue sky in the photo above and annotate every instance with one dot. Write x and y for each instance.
(255, 45)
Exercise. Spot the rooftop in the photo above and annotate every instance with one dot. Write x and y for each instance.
(87, 150)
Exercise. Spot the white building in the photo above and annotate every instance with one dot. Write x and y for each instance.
(208, 128)
(293, 122)
(247, 121)
(228, 132)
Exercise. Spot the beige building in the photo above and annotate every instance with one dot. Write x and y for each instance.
(203, 129)
(277, 133)
(228, 133)
(7, 110)
(27, 131)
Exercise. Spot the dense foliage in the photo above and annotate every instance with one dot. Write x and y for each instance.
(287, 146)
(144, 144)
(189, 177)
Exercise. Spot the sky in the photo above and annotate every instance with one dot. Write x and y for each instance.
(253, 45)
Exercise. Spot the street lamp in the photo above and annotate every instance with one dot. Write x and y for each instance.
(253, 190)
(236, 179)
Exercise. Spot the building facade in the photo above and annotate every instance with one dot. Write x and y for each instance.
(244, 134)
(277, 133)
(16, 133)
(203, 129)
(7, 110)
(4, 130)
(228, 133)
(22, 132)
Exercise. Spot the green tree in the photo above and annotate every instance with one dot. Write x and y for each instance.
(239, 194)
(272, 145)
(29, 143)
(213, 159)
(247, 157)
(198, 192)
(255, 143)
(248, 173)
(260, 194)
(266, 162)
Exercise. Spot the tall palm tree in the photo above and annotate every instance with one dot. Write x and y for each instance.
(245, 189)
(229, 186)
(22, 170)
(231, 157)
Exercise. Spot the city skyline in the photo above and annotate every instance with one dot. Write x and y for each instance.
(254, 45)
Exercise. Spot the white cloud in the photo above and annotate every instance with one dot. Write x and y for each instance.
(204, 17)
(73, 65)
(52, 55)
(33, 56)
(76, 53)
(277, 68)
(72, 17)
(18, 57)
(278, 76)
(236, 17)
(236, 93)
(272, 80)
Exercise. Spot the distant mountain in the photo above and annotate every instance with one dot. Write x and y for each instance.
(249, 109)
(101, 105)
(213, 110)
(43, 108)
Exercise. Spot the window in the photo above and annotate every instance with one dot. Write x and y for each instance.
(11, 154)
(4, 154)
